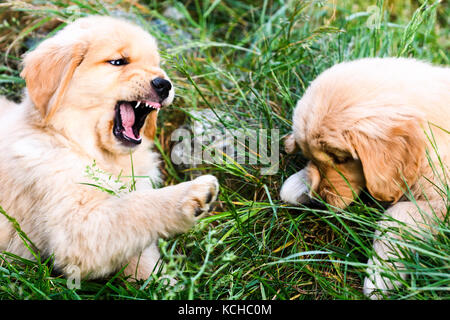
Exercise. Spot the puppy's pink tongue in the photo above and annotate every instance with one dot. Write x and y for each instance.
(128, 118)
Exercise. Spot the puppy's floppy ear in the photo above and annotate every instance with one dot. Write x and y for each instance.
(150, 125)
(390, 161)
(290, 145)
(47, 72)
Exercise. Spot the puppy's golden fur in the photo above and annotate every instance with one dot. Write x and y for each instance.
(372, 121)
(66, 121)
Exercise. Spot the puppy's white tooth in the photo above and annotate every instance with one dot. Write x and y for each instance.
(138, 104)
(146, 104)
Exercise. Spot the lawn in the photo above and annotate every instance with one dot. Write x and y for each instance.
(247, 63)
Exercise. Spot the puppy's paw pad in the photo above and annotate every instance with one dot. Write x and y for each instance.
(201, 193)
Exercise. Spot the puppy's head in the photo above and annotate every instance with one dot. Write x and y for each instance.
(353, 143)
(99, 79)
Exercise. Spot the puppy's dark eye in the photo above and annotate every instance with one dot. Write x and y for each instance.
(118, 62)
(340, 160)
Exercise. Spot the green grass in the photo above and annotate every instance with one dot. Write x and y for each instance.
(250, 60)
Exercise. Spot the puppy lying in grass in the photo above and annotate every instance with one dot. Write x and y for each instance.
(379, 124)
(93, 93)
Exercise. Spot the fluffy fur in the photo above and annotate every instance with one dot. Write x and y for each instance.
(368, 121)
(65, 122)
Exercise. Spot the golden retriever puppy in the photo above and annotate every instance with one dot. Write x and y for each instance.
(370, 124)
(93, 93)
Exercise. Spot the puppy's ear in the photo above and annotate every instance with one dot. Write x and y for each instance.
(391, 161)
(47, 72)
(290, 145)
(150, 125)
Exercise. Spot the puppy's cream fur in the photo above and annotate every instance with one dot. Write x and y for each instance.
(368, 121)
(64, 123)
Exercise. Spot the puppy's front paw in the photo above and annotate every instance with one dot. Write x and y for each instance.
(200, 194)
(295, 189)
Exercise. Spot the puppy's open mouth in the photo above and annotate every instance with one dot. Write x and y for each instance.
(130, 118)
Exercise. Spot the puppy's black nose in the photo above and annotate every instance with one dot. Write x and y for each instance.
(162, 87)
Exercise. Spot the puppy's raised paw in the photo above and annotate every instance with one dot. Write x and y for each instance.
(200, 194)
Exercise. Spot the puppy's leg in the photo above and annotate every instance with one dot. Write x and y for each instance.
(147, 262)
(405, 215)
(101, 237)
(144, 264)
(6, 232)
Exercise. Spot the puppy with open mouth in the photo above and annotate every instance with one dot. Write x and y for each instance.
(93, 93)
